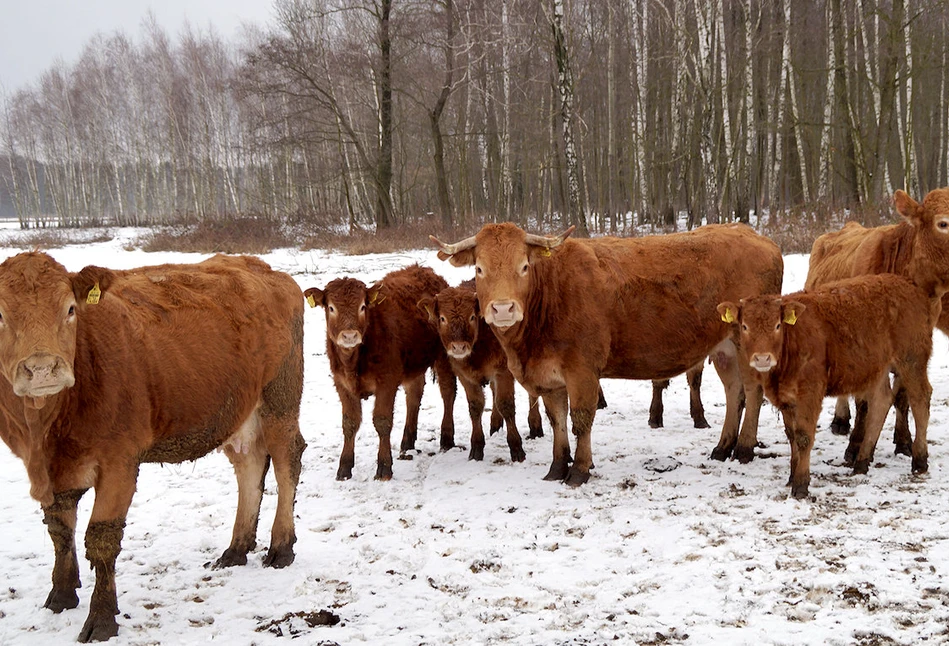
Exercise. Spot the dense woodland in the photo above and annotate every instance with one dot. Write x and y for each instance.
(603, 113)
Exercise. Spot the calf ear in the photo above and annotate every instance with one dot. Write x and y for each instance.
(376, 295)
(460, 258)
(728, 311)
(90, 283)
(427, 305)
(907, 207)
(315, 296)
(791, 312)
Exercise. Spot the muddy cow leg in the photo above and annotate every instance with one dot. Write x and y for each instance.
(475, 395)
(285, 444)
(696, 409)
(583, 389)
(555, 403)
(841, 422)
(748, 437)
(382, 412)
(859, 431)
(448, 388)
(800, 425)
(918, 393)
(352, 419)
(725, 359)
(902, 439)
(251, 470)
(414, 389)
(504, 402)
(534, 424)
(655, 406)
(60, 519)
(879, 399)
(497, 419)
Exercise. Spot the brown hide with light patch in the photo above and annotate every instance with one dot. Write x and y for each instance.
(840, 339)
(170, 363)
(569, 312)
(377, 340)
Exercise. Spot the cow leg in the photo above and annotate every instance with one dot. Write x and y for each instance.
(918, 393)
(448, 388)
(534, 423)
(414, 389)
(475, 395)
(60, 519)
(655, 406)
(352, 419)
(555, 403)
(725, 359)
(285, 445)
(583, 391)
(859, 431)
(879, 399)
(696, 409)
(902, 440)
(382, 412)
(251, 470)
(800, 425)
(753, 396)
(497, 419)
(841, 422)
(504, 402)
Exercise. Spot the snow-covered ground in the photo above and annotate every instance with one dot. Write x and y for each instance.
(662, 546)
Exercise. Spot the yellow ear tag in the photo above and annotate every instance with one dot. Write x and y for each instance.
(545, 252)
(790, 317)
(377, 297)
(310, 300)
(728, 317)
(94, 294)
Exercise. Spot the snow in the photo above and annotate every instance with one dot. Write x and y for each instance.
(661, 546)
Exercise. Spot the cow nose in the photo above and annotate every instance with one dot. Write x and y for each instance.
(350, 338)
(762, 361)
(459, 348)
(503, 309)
(41, 366)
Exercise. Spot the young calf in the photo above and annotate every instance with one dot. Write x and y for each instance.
(477, 359)
(841, 339)
(375, 341)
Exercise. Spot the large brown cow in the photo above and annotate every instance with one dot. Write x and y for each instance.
(105, 370)
(569, 313)
(377, 340)
(917, 247)
(840, 339)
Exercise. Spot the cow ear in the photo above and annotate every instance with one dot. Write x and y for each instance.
(315, 296)
(907, 207)
(376, 295)
(728, 311)
(459, 259)
(91, 283)
(791, 312)
(427, 305)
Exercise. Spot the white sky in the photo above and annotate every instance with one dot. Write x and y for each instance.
(34, 33)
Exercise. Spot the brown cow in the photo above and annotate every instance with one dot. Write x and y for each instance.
(477, 358)
(376, 340)
(105, 370)
(569, 313)
(917, 247)
(840, 339)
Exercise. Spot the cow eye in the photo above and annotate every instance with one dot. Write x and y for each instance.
(473, 318)
(331, 309)
(362, 308)
(443, 320)
(777, 327)
(524, 268)
(478, 270)
(72, 311)
(943, 224)
(744, 327)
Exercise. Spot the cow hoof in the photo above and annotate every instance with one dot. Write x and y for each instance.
(721, 454)
(494, 429)
(518, 455)
(558, 471)
(701, 423)
(406, 456)
(799, 492)
(575, 477)
(476, 453)
(744, 454)
(446, 446)
(655, 423)
(840, 427)
(535, 433)
(230, 558)
(279, 557)
(861, 467)
(921, 465)
(98, 629)
(384, 473)
(344, 474)
(59, 600)
(903, 449)
(850, 455)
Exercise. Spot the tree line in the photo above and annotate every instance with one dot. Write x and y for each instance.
(601, 113)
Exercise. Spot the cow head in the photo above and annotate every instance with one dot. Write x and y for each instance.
(502, 255)
(455, 312)
(929, 267)
(761, 322)
(347, 302)
(40, 307)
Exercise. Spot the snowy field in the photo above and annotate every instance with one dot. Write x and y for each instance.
(662, 546)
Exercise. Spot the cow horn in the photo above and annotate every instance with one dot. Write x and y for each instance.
(549, 242)
(452, 249)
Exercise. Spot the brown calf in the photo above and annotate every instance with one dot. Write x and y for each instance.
(377, 340)
(105, 370)
(841, 339)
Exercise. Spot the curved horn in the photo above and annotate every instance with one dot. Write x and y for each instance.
(452, 249)
(549, 242)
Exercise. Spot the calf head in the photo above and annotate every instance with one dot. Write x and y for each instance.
(347, 302)
(40, 307)
(929, 266)
(455, 312)
(502, 255)
(761, 322)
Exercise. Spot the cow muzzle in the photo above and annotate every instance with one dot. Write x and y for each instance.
(349, 338)
(41, 375)
(458, 349)
(503, 313)
(762, 361)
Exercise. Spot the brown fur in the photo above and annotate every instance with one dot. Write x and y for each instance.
(396, 346)
(917, 247)
(840, 339)
(167, 366)
(638, 308)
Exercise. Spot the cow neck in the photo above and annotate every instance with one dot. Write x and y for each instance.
(896, 250)
(39, 413)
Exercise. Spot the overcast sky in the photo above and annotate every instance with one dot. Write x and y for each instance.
(34, 33)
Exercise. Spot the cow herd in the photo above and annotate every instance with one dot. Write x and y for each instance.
(105, 370)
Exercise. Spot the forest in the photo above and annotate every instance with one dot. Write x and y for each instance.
(373, 114)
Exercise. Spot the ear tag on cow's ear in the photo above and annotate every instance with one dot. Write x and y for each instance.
(790, 317)
(310, 300)
(376, 298)
(93, 297)
(545, 252)
(728, 317)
